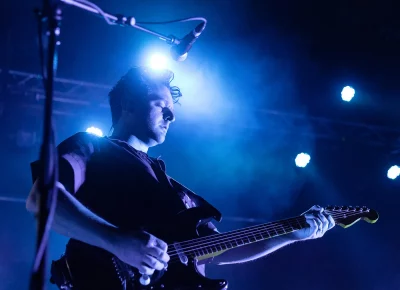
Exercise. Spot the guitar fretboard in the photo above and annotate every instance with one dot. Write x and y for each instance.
(221, 242)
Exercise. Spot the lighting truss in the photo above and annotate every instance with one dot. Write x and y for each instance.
(29, 88)
(65, 90)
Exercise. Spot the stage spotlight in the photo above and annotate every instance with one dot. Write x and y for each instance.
(393, 172)
(348, 93)
(302, 160)
(95, 131)
(158, 62)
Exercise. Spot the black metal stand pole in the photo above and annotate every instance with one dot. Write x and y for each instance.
(51, 15)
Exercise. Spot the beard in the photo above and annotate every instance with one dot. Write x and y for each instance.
(158, 134)
(155, 133)
(148, 128)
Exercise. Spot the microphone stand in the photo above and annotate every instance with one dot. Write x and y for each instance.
(120, 20)
(51, 14)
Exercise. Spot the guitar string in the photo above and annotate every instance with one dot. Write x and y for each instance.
(191, 253)
(271, 225)
(234, 231)
(237, 233)
(287, 230)
(241, 233)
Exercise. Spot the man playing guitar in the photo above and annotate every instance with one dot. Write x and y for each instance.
(111, 194)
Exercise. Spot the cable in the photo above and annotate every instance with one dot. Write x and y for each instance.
(113, 18)
(131, 21)
(173, 21)
(99, 10)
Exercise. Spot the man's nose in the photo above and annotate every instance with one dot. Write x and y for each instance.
(168, 115)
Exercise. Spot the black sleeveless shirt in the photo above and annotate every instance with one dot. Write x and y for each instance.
(124, 186)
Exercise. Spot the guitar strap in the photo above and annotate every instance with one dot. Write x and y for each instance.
(216, 214)
(181, 189)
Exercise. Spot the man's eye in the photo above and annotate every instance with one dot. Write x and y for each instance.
(159, 104)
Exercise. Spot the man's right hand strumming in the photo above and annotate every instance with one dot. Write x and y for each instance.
(141, 250)
(138, 249)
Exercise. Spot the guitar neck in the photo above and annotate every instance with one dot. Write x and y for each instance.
(211, 246)
(216, 244)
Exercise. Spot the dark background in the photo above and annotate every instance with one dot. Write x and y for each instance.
(261, 85)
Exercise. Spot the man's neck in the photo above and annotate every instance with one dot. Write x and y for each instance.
(132, 140)
(137, 143)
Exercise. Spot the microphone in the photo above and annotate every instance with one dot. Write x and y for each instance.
(180, 50)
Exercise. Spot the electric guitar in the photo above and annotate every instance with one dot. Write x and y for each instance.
(186, 249)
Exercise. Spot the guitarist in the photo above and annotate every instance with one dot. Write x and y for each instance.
(109, 188)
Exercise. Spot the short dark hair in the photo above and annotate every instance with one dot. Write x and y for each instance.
(135, 84)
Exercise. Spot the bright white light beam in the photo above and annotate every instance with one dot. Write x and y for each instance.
(302, 159)
(95, 131)
(158, 62)
(348, 93)
(393, 172)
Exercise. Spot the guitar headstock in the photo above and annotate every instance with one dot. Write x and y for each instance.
(346, 216)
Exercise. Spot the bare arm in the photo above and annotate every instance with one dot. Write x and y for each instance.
(319, 224)
(74, 220)
(252, 251)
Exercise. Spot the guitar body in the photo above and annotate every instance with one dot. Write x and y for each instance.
(108, 272)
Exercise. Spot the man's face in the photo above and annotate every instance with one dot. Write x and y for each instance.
(155, 115)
